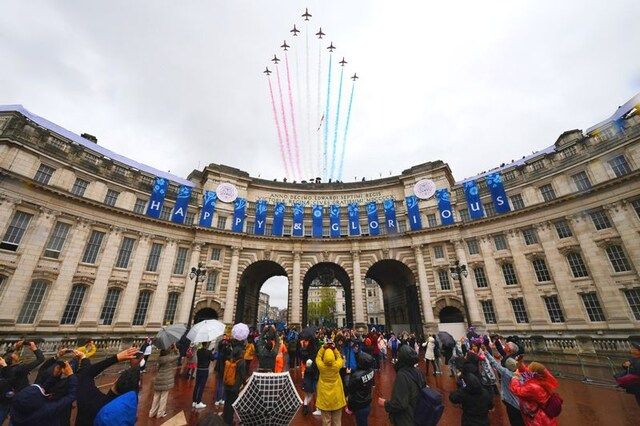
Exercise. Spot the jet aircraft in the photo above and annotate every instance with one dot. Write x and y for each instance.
(266, 71)
(275, 60)
(320, 33)
(295, 31)
(285, 46)
(331, 47)
(306, 15)
(343, 62)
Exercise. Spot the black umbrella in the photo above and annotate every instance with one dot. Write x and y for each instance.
(446, 339)
(309, 332)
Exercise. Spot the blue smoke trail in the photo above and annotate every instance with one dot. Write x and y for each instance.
(335, 128)
(346, 129)
(326, 122)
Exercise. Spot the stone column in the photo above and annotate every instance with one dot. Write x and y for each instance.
(295, 314)
(494, 275)
(467, 285)
(232, 285)
(189, 286)
(159, 299)
(625, 220)
(425, 296)
(360, 320)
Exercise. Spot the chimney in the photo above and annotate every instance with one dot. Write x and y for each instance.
(89, 137)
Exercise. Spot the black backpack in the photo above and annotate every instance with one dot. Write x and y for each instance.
(429, 406)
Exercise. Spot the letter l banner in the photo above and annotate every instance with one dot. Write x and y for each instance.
(354, 219)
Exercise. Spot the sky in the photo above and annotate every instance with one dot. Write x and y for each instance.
(474, 84)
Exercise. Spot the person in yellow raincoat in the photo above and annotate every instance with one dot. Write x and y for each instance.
(330, 399)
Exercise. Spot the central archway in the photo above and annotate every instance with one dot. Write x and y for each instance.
(205, 314)
(251, 280)
(328, 274)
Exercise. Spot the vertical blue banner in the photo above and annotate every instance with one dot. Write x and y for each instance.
(208, 206)
(157, 197)
(239, 213)
(334, 220)
(318, 213)
(354, 219)
(413, 211)
(472, 193)
(498, 195)
(261, 217)
(298, 218)
(444, 206)
(277, 228)
(390, 215)
(182, 204)
(372, 216)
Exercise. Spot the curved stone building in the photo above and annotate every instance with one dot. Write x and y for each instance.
(79, 255)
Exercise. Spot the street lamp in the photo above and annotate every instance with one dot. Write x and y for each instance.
(199, 274)
(457, 272)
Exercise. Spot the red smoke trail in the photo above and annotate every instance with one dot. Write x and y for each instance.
(296, 151)
(275, 119)
(284, 120)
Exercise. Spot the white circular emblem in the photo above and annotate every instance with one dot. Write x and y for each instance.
(227, 193)
(424, 188)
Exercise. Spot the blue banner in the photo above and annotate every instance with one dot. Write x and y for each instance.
(208, 206)
(298, 218)
(182, 204)
(261, 217)
(444, 206)
(318, 213)
(160, 186)
(354, 219)
(390, 215)
(413, 211)
(239, 213)
(277, 228)
(499, 197)
(472, 193)
(334, 219)
(372, 216)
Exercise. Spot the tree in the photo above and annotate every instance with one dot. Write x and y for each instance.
(321, 312)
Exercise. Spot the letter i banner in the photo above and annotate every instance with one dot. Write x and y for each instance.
(354, 219)
(444, 206)
(278, 220)
(298, 218)
(472, 193)
(208, 206)
(261, 217)
(157, 197)
(318, 213)
(413, 211)
(372, 216)
(239, 213)
(334, 219)
(390, 215)
(498, 195)
(182, 204)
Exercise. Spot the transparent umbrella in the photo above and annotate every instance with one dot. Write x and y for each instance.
(169, 335)
(206, 331)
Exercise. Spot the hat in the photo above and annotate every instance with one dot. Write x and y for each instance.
(511, 364)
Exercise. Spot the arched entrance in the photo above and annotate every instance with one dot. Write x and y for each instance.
(251, 280)
(205, 314)
(450, 314)
(331, 275)
(400, 295)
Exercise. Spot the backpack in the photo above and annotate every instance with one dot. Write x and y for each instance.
(229, 376)
(429, 406)
(553, 407)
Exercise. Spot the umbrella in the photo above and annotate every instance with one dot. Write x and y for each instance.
(240, 331)
(309, 332)
(268, 399)
(169, 335)
(446, 339)
(206, 331)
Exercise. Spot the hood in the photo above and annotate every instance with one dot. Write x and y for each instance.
(129, 380)
(329, 357)
(26, 403)
(122, 411)
(407, 357)
(473, 384)
(364, 361)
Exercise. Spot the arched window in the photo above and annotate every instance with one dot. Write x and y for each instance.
(110, 305)
(142, 306)
(170, 310)
(74, 304)
(32, 302)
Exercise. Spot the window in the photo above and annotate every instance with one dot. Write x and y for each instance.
(554, 309)
(636, 206)
(140, 205)
(44, 173)
(619, 165)
(79, 187)
(547, 192)
(617, 258)
(181, 258)
(212, 280)
(431, 220)
(369, 293)
(222, 222)
(56, 240)
(530, 236)
(472, 246)
(109, 306)
(600, 219)
(568, 152)
(562, 229)
(578, 268)
(538, 165)
(509, 273)
(581, 180)
(124, 254)
(32, 302)
(489, 209)
(191, 217)
(517, 201)
(15, 231)
(165, 213)
(464, 215)
(592, 305)
(215, 253)
(500, 242)
(489, 313)
(170, 310)
(509, 176)
(519, 311)
(93, 247)
(154, 257)
(633, 298)
(140, 315)
(443, 277)
(481, 277)
(540, 268)
(438, 252)
(111, 197)
(74, 304)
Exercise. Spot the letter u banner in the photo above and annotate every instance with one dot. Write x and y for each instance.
(157, 197)
(354, 219)
(318, 213)
(499, 197)
(298, 218)
(472, 193)
(372, 216)
(413, 211)
(390, 215)
(444, 206)
(182, 204)
(278, 220)
(261, 217)
(334, 218)
(239, 213)
(208, 206)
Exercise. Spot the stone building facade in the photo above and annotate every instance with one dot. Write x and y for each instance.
(79, 256)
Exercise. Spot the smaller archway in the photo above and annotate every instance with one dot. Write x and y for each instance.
(205, 314)
(251, 281)
(450, 314)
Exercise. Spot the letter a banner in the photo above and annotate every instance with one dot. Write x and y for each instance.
(372, 216)
(354, 219)
(444, 206)
(208, 206)
(278, 220)
(390, 215)
(318, 212)
(334, 218)
(472, 193)
(413, 211)
(182, 204)
(298, 217)
(261, 217)
(499, 197)
(239, 213)
(157, 197)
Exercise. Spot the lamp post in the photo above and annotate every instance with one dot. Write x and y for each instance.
(199, 274)
(457, 272)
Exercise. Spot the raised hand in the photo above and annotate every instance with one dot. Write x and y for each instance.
(127, 354)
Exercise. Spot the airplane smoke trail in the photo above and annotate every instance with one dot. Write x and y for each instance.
(318, 120)
(346, 129)
(335, 126)
(296, 151)
(326, 121)
(309, 155)
(280, 142)
(284, 120)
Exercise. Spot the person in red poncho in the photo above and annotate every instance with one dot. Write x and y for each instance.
(534, 391)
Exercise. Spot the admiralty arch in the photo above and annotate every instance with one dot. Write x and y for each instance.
(80, 256)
